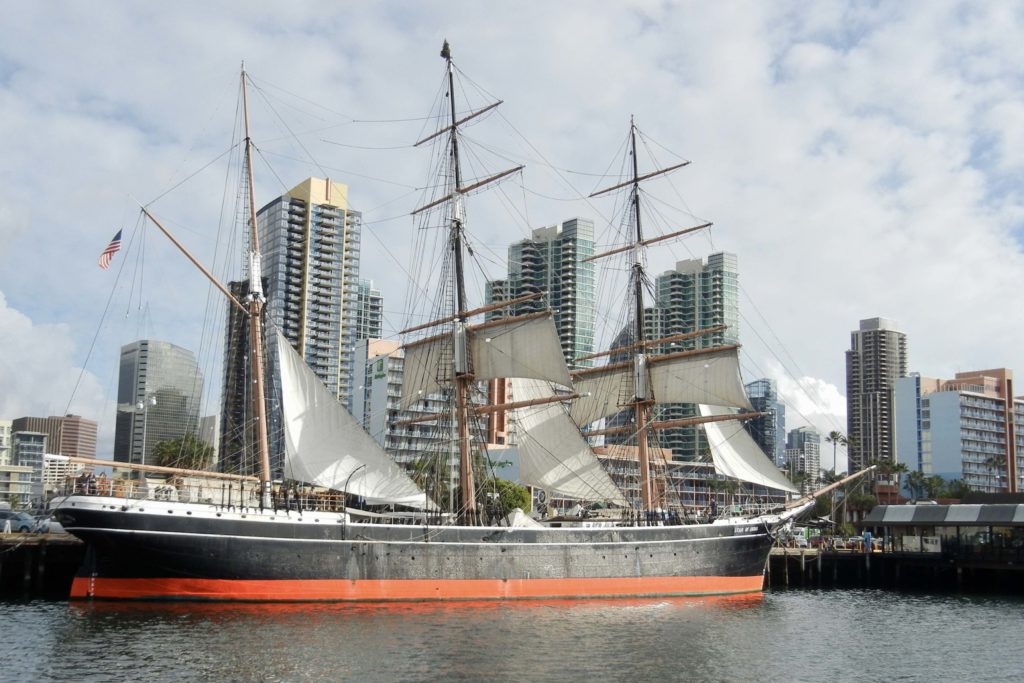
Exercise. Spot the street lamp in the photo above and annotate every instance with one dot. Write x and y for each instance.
(144, 406)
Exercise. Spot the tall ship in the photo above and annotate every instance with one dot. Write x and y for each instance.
(348, 523)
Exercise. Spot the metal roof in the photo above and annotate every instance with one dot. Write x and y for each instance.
(945, 515)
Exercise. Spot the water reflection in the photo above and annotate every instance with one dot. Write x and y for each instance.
(798, 635)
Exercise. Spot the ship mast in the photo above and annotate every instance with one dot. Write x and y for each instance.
(461, 333)
(643, 398)
(255, 303)
(252, 306)
(463, 376)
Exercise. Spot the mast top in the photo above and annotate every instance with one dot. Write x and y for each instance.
(446, 51)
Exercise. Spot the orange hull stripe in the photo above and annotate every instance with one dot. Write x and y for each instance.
(410, 589)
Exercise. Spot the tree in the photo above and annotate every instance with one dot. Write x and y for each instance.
(187, 453)
(934, 485)
(996, 465)
(800, 479)
(915, 482)
(956, 488)
(504, 496)
(899, 469)
(836, 438)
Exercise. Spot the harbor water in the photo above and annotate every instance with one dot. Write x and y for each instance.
(796, 635)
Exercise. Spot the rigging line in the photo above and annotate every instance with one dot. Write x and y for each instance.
(342, 170)
(284, 123)
(558, 174)
(270, 168)
(269, 84)
(375, 149)
(189, 177)
(99, 326)
(816, 400)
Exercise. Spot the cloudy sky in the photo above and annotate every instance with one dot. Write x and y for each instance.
(862, 159)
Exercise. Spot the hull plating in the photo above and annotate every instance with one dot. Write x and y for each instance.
(171, 554)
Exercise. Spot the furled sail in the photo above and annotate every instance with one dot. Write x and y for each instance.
(713, 378)
(325, 446)
(523, 346)
(553, 455)
(737, 455)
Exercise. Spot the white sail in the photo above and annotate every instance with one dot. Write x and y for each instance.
(737, 455)
(325, 446)
(712, 378)
(553, 455)
(524, 346)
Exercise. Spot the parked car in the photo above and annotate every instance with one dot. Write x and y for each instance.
(46, 524)
(20, 522)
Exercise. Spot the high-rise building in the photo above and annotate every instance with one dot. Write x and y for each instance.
(159, 390)
(970, 428)
(876, 359)
(380, 413)
(695, 295)
(369, 312)
(5, 443)
(78, 437)
(29, 449)
(803, 454)
(70, 435)
(552, 263)
(310, 240)
(769, 429)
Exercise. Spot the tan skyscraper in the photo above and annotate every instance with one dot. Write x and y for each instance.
(876, 359)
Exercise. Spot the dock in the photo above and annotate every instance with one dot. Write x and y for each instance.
(38, 565)
(814, 568)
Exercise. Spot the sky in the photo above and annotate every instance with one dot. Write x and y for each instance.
(862, 159)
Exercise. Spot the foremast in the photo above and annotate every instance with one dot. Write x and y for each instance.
(253, 307)
(461, 360)
(255, 303)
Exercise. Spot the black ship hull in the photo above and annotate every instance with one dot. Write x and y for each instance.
(198, 552)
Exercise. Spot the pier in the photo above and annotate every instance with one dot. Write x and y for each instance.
(813, 568)
(38, 565)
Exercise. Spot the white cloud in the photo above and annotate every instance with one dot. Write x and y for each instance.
(861, 159)
(38, 373)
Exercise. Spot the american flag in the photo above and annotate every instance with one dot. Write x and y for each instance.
(108, 253)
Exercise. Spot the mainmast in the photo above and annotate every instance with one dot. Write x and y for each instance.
(255, 303)
(643, 400)
(461, 335)
(643, 396)
(463, 374)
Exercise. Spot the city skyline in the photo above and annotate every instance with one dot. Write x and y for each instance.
(858, 160)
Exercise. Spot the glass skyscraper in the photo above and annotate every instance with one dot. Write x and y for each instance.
(552, 262)
(158, 395)
(310, 243)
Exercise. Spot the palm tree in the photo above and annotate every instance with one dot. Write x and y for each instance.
(915, 482)
(996, 463)
(899, 469)
(836, 438)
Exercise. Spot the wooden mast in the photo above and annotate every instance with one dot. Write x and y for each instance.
(463, 373)
(643, 398)
(643, 401)
(256, 302)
